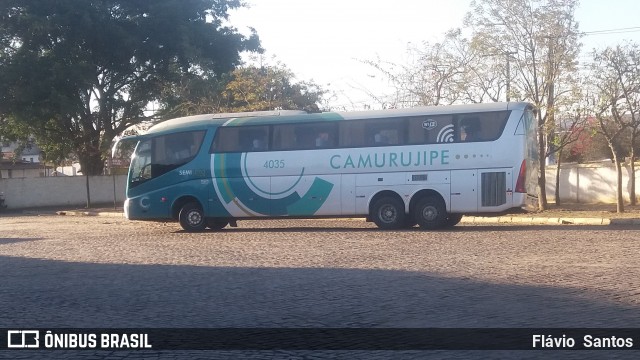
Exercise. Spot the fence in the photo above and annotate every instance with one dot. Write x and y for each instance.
(584, 183)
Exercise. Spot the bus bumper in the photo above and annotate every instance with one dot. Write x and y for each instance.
(126, 209)
(147, 207)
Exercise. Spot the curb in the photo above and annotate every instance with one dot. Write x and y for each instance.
(90, 213)
(538, 220)
(548, 220)
(625, 222)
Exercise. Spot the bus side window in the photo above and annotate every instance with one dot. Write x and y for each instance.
(284, 137)
(352, 134)
(253, 138)
(305, 137)
(486, 126)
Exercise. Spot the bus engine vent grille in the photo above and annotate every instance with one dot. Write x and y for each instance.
(494, 188)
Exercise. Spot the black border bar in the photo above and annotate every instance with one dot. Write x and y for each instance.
(327, 338)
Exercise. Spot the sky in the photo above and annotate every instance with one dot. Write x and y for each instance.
(327, 40)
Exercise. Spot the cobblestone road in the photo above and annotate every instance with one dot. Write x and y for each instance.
(62, 271)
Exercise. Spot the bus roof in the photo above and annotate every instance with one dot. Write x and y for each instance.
(285, 116)
(204, 120)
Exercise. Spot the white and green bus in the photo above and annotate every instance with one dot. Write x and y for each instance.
(398, 168)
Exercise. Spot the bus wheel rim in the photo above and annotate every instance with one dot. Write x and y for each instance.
(194, 218)
(388, 214)
(429, 213)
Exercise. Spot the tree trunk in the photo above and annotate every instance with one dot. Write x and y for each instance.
(542, 191)
(91, 163)
(558, 178)
(632, 178)
(619, 198)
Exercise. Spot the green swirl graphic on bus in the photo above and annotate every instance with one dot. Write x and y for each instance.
(240, 191)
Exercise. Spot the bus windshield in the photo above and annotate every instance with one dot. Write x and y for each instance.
(157, 156)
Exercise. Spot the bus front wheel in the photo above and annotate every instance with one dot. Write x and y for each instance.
(192, 217)
(388, 213)
(430, 213)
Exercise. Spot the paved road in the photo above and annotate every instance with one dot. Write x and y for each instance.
(62, 271)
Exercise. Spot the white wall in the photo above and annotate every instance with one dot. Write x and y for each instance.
(589, 183)
(61, 191)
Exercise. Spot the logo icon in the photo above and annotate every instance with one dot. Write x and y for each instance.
(446, 134)
(21, 339)
(429, 124)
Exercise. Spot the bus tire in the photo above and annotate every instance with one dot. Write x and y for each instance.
(388, 213)
(192, 217)
(216, 223)
(430, 213)
(453, 220)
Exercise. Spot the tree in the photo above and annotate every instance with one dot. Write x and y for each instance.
(570, 129)
(542, 38)
(248, 88)
(447, 72)
(624, 61)
(617, 105)
(79, 72)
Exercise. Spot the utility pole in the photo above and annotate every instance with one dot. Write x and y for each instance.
(507, 55)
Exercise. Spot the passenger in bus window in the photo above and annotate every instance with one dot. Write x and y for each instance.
(380, 139)
(257, 145)
(176, 151)
(469, 132)
(322, 140)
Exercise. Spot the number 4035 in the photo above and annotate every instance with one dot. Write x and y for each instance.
(274, 164)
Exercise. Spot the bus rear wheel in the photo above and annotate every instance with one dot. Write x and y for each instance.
(388, 213)
(430, 213)
(453, 220)
(192, 217)
(216, 223)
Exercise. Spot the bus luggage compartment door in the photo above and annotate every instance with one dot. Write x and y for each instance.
(464, 191)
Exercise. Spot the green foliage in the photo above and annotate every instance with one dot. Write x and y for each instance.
(79, 72)
(265, 88)
(248, 88)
